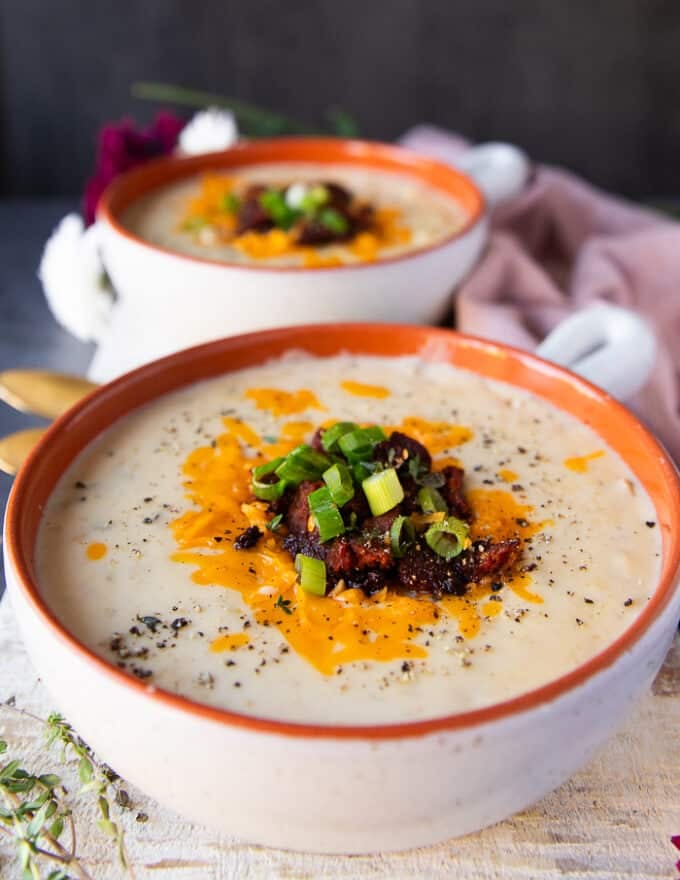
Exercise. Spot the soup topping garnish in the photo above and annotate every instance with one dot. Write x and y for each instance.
(354, 543)
(366, 511)
(294, 219)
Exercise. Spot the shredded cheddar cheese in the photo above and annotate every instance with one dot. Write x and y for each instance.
(579, 463)
(345, 626)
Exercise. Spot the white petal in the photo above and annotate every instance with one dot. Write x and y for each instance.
(209, 131)
(74, 280)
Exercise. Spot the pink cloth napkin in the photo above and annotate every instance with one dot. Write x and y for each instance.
(561, 245)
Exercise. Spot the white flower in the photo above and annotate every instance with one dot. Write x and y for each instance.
(74, 280)
(209, 131)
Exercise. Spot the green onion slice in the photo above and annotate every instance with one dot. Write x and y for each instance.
(340, 484)
(383, 491)
(330, 437)
(448, 538)
(361, 470)
(358, 445)
(267, 484)
(334, 221)
(314, 198)
(302, 463)
(193, 224)
(402, 535)
(312, 574)
(274, 203)
(431, 501)
(230, 203)
(326, 514)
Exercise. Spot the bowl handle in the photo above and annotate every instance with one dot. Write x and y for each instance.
(608, 345)
(500, 170)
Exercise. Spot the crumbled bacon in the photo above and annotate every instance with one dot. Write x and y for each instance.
(363, 556)
(452, 492)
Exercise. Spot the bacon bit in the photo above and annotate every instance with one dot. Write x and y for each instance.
(248, 538)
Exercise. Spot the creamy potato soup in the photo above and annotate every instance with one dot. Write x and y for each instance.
(136, 551)
(296, 214)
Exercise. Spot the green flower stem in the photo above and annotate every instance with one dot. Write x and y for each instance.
(253, 119)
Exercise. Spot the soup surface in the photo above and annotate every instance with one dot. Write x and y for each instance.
(198, 216)
(136, 547)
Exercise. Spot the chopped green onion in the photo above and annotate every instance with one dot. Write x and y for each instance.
(312, 574)
(358, 445)
(334, 220)
(361, 470)
(326, 514)
(267, 484)
(431, 501)
(193, 224)
(230, 203)
(314, 198)
(339, 482)
(383, 491)
(274, 203)
(274, 523)
(302, 463)
(375, 434)
(330, 437)
(448, 538)
(402, 534)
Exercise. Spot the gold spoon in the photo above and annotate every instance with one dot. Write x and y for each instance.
(15, 448)
(42, 392)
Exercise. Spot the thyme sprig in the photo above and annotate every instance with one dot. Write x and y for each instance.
(35, 812)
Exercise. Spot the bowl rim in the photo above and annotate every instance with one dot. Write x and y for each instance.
(153, 175)
(328, 339)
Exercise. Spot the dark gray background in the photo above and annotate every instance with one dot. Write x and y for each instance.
(593, 84)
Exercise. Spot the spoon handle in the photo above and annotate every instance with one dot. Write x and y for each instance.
(15, 448)
(42, 392)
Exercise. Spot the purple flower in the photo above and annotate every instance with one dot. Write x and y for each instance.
(122, 147)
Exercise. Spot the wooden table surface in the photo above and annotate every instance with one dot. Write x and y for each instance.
(612, 820)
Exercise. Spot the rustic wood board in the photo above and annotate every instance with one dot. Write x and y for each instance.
(612, 820)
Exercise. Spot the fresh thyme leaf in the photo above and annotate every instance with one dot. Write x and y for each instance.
(3, 746)
(284, 605)
(85, 771)
(419, 472)
(274, 524)
(49, 780)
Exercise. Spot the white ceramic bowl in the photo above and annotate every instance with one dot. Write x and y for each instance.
(168, 301)
(329, 788)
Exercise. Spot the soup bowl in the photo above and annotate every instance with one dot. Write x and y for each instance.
(168, 300)
(344, 788)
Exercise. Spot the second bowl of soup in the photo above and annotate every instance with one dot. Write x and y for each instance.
(285, 231)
